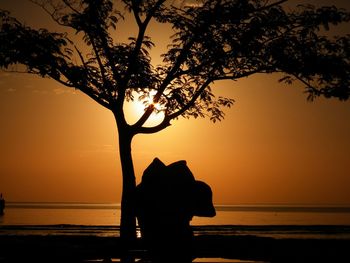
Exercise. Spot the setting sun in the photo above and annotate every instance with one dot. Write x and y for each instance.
(137, 107)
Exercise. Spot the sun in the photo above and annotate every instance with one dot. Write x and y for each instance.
(136, 108)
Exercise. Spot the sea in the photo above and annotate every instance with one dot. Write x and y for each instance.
(266, 220)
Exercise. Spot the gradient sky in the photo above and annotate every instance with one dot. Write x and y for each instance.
(58, 145)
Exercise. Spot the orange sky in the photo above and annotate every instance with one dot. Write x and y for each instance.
(56, 144)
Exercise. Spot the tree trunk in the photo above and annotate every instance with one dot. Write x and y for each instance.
(128, 220)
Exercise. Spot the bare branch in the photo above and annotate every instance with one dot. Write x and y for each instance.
(144, 116)
(148, 130)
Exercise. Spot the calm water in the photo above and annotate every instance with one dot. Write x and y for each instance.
(109, 215)
(103, 220)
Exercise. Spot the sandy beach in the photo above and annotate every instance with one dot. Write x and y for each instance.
(207, 248)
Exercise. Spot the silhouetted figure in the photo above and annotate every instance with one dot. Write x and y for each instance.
(2, 204)
(167, 198)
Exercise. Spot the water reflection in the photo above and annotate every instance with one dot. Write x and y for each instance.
(109, 215)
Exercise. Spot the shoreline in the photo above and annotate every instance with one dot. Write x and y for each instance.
(272, 231)
(79, 247)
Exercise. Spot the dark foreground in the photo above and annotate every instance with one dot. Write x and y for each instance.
(60, 248)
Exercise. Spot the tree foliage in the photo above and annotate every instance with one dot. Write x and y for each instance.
(212, 41)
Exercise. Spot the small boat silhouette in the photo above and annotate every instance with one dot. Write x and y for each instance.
(2, 204)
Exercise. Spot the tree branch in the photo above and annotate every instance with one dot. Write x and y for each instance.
(166, 121)
(52, 14)
(81, 57)
(62, 82)
(152, 11)
(71, 7)
(20, 72)
(148, 130)
(38, 73)
(94, 96)
(135, 10)
(85, 90)
(144, 117)
(99, 61)
(192, 101)
(141, 35)
(92, 79)
(305, 82)
(271, 5)
(170, 76)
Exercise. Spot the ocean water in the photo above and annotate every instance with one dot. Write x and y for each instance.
(103, 220)
(109, 215)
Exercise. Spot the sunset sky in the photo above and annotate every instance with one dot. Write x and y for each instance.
(57, 145)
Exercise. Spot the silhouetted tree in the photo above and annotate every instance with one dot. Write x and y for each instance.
(212, 40)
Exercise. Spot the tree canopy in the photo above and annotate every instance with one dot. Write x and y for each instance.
(212, 41)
